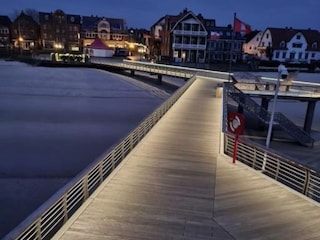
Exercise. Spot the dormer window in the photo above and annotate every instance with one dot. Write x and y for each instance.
(314, 45)
(282, 44)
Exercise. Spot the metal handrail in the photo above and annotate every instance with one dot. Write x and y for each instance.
(54, 213)
(297, 176)
(288, 172)
(254, 108)
(169, 70)
(50, 217)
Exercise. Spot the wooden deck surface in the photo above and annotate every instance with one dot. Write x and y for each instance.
(175, 185)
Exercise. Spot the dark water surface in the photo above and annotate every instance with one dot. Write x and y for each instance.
(56, 121)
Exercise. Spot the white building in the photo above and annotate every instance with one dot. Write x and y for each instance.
(180, 38)
(286, 45)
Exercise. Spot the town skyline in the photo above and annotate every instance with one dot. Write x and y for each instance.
(141, 13)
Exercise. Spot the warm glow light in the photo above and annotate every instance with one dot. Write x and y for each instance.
(58, 45)
(20, 39)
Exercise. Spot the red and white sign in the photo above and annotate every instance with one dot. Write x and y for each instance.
(236, 126)
(236, 123)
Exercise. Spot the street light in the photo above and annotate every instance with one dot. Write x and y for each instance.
(272, 111)
(20, 40)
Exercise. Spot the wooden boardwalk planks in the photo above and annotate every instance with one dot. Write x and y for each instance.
(174, 185)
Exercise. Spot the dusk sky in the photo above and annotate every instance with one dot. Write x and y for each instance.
(300, 14)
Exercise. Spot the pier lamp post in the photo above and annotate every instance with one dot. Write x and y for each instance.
(272, 111)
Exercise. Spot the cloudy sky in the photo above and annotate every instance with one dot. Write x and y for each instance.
(299, 14)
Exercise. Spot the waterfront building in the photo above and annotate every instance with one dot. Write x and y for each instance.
(286, 45)
(5, 24)
(250, 47)
(225, 45)
(111, 31)
(180, 38)
(60, 32)
(24, 34)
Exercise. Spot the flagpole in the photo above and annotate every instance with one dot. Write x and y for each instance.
(231, 46)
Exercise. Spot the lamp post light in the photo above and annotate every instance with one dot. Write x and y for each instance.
(272, 112)
(20, 40)
(141, 50)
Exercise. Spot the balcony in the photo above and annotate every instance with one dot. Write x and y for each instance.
(188, 46)
(190, 33)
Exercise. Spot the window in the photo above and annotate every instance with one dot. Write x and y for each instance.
(314, 45)
(284, 54)
(297, 45)
(277, 55)
(292, 55)
(186, 27)
(306, 55)
(282, 44)
(298, 36)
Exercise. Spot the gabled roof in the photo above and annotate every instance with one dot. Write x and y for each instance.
(5, 21)
(186, 15)
(98, 44)
(90, 22)
(286, 34)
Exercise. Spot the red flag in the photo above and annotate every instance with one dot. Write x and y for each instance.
(241, 27)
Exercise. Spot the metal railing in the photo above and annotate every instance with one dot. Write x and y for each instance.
(254, 108)
(288, 172)
(51, 216)
(163, 69)
(54, 213)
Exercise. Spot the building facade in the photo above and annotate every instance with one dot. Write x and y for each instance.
(24, 34)
(286, 45)
(225, 45)
(60, 32)
(112, 31)
(181, 38)
(5, 40)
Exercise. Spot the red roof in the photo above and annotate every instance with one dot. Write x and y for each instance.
(98, 44)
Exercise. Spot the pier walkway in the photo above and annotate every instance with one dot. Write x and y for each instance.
(177, 184)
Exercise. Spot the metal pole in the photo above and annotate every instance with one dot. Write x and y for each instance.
(272, 111)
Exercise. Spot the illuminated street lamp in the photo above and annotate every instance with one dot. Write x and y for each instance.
(20, 40)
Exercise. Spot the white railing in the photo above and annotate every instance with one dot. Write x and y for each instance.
(163, 69)
(190, 33)
(288, 172)
(189, 46)
(51, 216)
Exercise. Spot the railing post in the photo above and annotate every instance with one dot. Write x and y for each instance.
(306, 183)
(65, 209)
(101, 171)
(39, 234)
(113, 161)
(264, 161)
(85, 188)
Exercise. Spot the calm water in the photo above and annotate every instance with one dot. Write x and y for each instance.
(56, 121)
